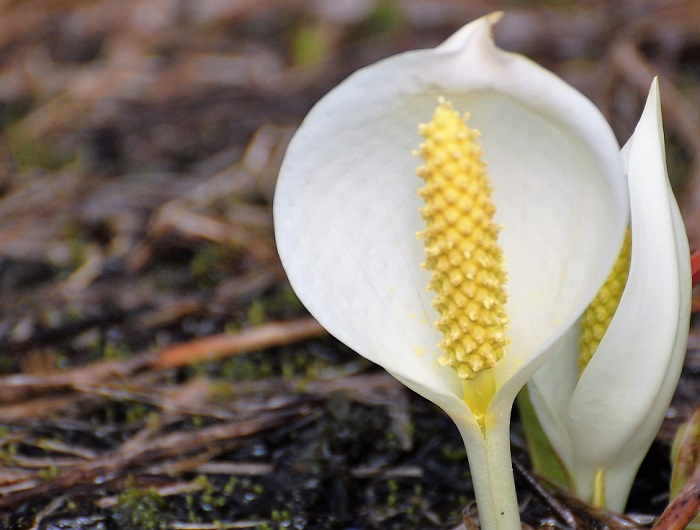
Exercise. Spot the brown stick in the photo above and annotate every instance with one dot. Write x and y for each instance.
(225, 345)
(684, 508)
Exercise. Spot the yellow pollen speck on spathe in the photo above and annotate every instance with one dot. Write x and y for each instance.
(461, 245)
(599, 314)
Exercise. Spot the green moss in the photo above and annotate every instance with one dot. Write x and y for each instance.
(386, 18)
(29, 153)
(141, 508)
(453, 451)
(97, 349)
(294, 364)
(277, 305)
(136, 412)
(222, 389)
(289, 363)
(212, 496)
(249, 367)
(7, 453)
(256, 313)
(114, 352)
(393, 487)
(290, 299)
(49, 473)
(210, 262)
(310, 46)
(281, 516)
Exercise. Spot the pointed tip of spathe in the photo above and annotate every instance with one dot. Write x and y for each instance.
(653, 102)
(655, 89)
(492, 19)
(481, 27)
(495, 17)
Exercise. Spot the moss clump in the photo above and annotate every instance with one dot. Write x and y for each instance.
(216, 499)
(386, 19)
(7, 453)
(141, 508)
(211, 263)
(29, 152)
(49, 473)
(310, 45)
(256, 313)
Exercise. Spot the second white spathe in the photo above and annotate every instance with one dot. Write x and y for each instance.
(605, 420)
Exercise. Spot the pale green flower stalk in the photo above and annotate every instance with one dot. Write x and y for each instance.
(602, 395)
(519, 218)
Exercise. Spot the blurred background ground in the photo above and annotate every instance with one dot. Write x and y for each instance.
(158, 371)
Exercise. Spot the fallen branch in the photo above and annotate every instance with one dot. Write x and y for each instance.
(226, 345)
(684, 508)
(16, 388)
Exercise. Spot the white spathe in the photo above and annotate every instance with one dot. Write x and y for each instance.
(346, 215)
(607, 419)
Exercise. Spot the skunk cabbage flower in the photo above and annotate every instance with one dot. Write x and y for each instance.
(457, 280)
(602, 395)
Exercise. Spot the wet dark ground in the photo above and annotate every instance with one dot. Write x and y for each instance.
(158, 371)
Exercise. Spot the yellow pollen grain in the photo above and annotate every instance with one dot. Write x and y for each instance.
(461, 245)
(597, 317)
